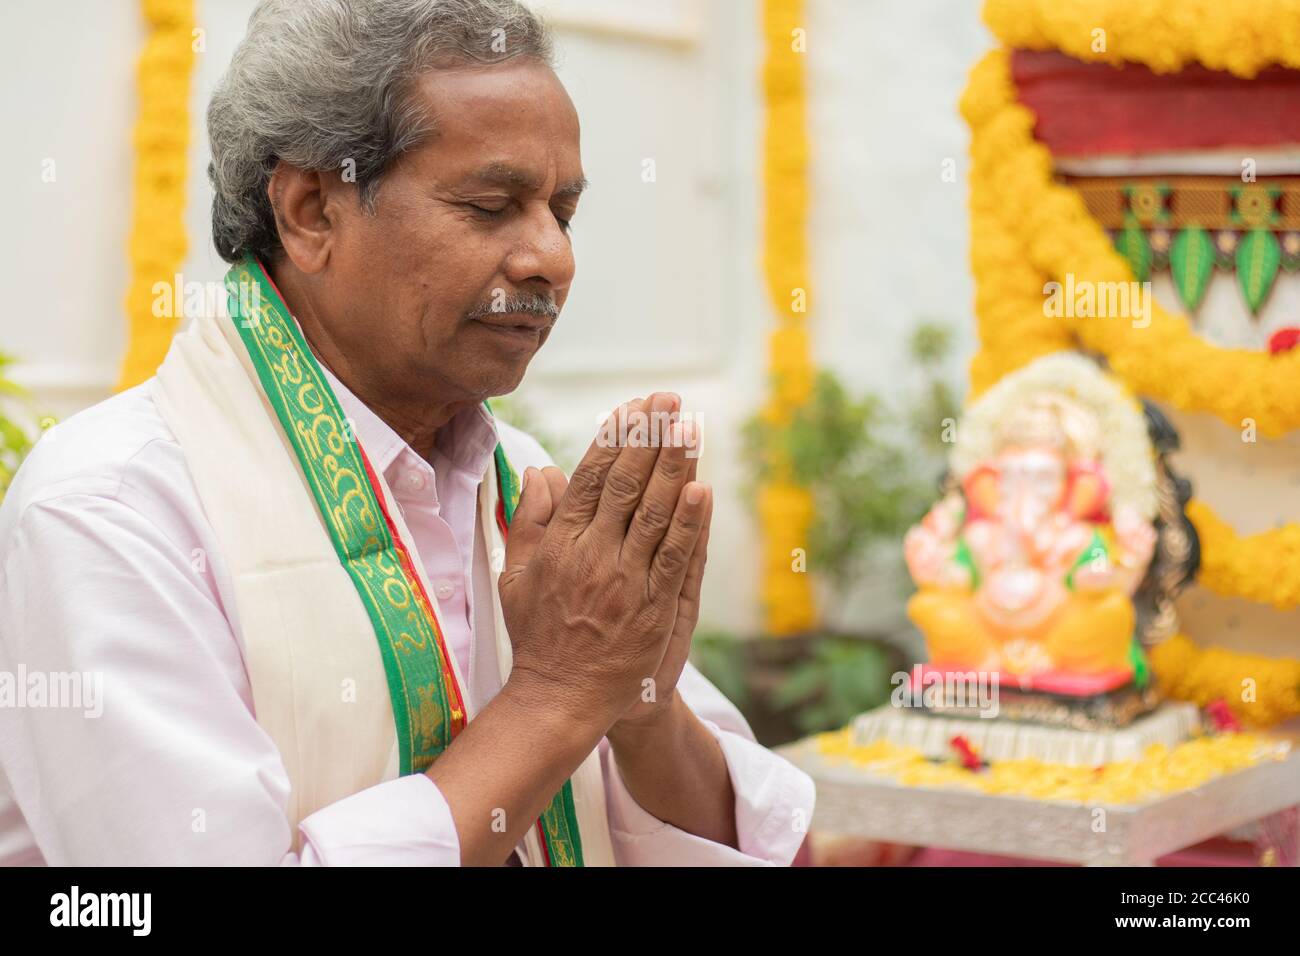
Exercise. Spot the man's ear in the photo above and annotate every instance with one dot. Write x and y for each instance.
(302, 203)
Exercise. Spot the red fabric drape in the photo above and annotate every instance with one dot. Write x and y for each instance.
(1090, 109)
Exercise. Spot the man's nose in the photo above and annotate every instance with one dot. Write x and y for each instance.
(543, 252)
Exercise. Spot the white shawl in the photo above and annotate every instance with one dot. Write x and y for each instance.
(318, 680)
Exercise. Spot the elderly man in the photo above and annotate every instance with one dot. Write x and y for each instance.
(329, 625)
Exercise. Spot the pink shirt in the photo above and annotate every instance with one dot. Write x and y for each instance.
(112, 578)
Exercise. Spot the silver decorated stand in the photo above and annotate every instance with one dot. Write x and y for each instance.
(851, 802)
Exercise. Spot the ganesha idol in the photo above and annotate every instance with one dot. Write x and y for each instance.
(1028, 566)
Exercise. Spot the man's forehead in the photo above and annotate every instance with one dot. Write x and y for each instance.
(505, 126)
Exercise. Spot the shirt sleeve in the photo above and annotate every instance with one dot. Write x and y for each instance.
(159, 760)
(403, 822)
(774, 799)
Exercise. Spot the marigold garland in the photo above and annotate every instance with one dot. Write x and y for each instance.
(786, 509)
(1263, 567)
(1260, 691)
(157, 243)
(1165, 35)
(1159, 772)
(1058, 237)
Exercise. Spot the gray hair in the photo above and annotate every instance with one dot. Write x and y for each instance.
(319, 83)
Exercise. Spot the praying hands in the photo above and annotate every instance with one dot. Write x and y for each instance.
(600, 592)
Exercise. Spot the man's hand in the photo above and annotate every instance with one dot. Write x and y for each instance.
(599, 570)
(600, 592)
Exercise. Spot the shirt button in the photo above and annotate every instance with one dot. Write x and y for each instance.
(415, 481)
(444, 589)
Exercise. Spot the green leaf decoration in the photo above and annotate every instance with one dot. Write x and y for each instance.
(1191, 260)
(1133, 245)
(1258, 256)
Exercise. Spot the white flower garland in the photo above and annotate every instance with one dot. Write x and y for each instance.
(1127, 455)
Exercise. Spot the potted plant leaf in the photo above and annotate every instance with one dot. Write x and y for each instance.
(870, 467)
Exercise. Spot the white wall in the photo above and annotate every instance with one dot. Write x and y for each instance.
(668, 292)
(67, 96)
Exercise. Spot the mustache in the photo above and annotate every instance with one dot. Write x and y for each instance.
(532, 303)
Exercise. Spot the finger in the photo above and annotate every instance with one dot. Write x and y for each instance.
(532, 515)
(688, 603)
(693, 439)
(673, 557)
(557, 482)
(671, 471)
(629, 474)
(575, 510)
(692, 459)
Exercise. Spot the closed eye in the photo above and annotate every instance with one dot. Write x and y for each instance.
(485, 211)
(563, 213)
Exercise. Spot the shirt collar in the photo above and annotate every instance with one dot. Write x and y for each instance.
(466, 442)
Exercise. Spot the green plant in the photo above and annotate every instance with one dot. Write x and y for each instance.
(15, 440)
(721, 658)
(937, 404)
(861, 483)
(800, 685)
(843, 677)
(870, 466)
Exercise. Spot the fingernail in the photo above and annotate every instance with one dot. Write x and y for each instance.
(694, 493)
(524, 483)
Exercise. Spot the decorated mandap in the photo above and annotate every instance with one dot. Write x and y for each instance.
(1108, 584)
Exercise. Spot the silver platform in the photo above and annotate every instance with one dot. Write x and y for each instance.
(850, 802)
